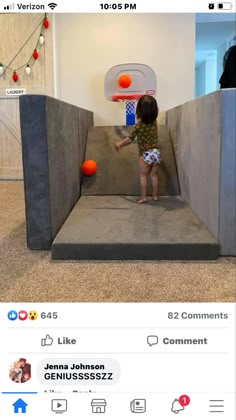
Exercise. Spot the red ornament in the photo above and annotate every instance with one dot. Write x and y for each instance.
(45, 23)
(15, 76)
(89, 167)
(35, 54)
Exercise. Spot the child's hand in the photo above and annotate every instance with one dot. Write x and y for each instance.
(117, 147)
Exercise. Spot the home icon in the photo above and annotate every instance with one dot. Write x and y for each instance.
(19, 406)
(98, 405)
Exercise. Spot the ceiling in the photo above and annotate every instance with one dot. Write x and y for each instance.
(215, 17)
(210, 36)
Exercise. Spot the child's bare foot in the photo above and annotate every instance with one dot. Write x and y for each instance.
(117, 147)
(142, 200)
(155, 197)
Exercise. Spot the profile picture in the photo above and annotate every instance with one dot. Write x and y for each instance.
(20, 371)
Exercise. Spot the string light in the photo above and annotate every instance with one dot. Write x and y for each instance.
(35, 54)
(45, 22)
(44, 25)
(41, 39)
(1, 69)
(15, 76)
(28, 70)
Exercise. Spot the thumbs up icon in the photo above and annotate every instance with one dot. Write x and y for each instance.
(47, 341)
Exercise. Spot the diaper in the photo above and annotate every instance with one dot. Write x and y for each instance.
(152, 157)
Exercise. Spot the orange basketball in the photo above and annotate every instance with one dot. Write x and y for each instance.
(89, 167)
(124, 81)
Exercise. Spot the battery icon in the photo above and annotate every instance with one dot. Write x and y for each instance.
(226, 5)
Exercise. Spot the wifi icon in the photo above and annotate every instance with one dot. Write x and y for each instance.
(52, 5)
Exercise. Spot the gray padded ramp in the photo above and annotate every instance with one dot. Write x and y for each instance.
(117, 228)
(118, 173)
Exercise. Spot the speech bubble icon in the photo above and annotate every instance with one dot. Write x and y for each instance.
(152, 340)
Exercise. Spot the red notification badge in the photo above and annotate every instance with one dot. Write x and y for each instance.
(184, 400)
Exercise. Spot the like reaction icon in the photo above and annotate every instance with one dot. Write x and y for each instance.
(47, 341)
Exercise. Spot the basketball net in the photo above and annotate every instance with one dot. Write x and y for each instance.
(130, 106)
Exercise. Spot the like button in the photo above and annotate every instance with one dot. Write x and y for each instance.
(47, 341)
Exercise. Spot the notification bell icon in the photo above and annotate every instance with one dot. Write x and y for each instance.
(176, 406)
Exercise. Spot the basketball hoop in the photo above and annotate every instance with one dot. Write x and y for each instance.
(130, 105)
(127, 83)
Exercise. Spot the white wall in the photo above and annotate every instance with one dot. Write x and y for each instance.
(88, 45)
(201, 79)
(220, 56)
(211, 67)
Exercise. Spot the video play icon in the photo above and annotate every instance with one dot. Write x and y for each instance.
(59, 406)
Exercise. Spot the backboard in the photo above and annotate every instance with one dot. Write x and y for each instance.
(128, 82)
(142, 82)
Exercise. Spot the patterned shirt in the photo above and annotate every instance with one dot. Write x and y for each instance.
(147, 136)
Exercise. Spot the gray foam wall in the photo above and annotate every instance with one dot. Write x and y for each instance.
(227, 222)
(203, 135)
(54, 136)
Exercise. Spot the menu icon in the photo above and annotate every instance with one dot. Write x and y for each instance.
(216, 406)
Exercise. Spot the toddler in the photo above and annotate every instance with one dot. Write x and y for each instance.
(147, 137)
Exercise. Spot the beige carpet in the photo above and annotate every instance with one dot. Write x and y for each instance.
(31, 275)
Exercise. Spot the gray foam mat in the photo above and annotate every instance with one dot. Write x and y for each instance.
(116, 227)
